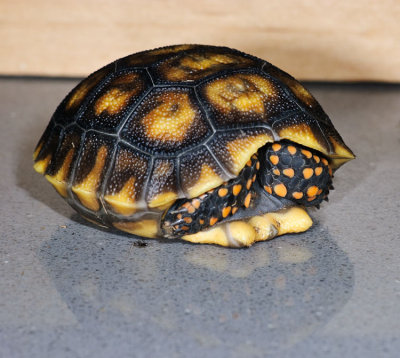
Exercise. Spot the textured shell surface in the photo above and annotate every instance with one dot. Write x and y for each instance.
(169, 123)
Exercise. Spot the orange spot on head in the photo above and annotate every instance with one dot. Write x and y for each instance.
(318, 171)
(292, 150)
(247, 200)
(222, 192)
(226, 211)
(280, 189)
(308, 173)
(289, 172)
(312, 191)
(187, 220)
(189, 207)
(248, 184)
(213, 221)
(276, 147)
(236, 189)
(307, 153)
(274, 159)
(268, 189)
(297, 194)
(196, 203)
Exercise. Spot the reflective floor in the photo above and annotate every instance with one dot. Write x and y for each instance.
(69, 289)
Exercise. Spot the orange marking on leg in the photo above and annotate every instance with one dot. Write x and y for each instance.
(185, 228)
(292, 150)
(316, 158)
(187, 220)
(234, 209)
(268, 189)
(276, 147)
(254, 178)
(236, 189)
(289, 172)
(297, 194)
(196, 203)
(201, 221)
(318, 171)
(258, 165)
(307, 153)
(280, 189)
(213, 221)
(308, 173)
(179, 216)
(248, 184)
(226, 211)
(247, 200)
(312, 198)
(319, 192)
(274, 159)
(276, 172)
(330, 171)
(222, 192)
(189, 207)
(312, 191)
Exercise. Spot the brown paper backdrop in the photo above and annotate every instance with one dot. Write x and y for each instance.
(311, 39)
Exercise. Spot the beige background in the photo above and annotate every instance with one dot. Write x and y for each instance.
(314, 40)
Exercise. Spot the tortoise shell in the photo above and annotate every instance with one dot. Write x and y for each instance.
(170, 123)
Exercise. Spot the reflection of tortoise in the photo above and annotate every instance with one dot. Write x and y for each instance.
(200, 142)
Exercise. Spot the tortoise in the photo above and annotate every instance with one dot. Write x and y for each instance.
(203, 143)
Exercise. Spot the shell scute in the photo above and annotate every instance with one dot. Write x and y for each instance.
(114, 101)
(167, 121)
(244, 98)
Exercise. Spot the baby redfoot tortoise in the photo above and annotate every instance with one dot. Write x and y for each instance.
(203, 143)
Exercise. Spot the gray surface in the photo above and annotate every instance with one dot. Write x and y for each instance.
(68, 289)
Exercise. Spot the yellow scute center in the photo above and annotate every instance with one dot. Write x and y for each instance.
(170, 120)
(242, 92)
(113, 101)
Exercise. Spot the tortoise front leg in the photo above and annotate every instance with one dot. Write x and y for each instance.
(244, 233)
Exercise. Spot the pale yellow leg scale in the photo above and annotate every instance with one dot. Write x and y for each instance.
(259, 228)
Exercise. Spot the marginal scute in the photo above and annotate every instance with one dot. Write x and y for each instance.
(86, 189)
(59, 180)
(123, 202)
(41, 165)
(146, 227)
(207, 180)
(199, 172)
(235, 149)
(162, 187)
(125, 184)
